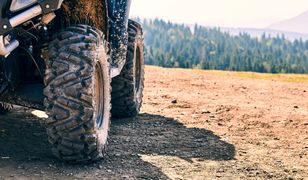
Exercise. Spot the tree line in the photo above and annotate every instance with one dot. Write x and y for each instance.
(177, 45)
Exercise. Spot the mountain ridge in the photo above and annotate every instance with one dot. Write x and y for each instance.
(258, 32)
(296, 24)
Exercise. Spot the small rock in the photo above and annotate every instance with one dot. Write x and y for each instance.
(51, 166)
(33, 158)
(174, 101)
(37, 134)
(296, 107)
(100, 167)
(205, 112)
(194, 116)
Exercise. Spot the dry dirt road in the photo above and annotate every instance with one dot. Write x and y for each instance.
(193, 125)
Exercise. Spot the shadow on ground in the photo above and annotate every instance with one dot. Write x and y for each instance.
(25, 152)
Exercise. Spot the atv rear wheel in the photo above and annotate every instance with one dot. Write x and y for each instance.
(5, 108)
(128, 86)
(78, 94)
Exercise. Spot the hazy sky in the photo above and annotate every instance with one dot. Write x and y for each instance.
(228, 13)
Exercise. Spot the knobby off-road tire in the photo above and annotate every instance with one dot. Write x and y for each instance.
(128, 87)
(5, 108)
(78, 94)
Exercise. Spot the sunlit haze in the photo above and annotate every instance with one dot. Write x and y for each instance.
(225, 13)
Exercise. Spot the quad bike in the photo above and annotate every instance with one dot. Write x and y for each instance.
(72, 59)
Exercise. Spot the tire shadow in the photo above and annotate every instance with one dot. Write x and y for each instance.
(25, 151)
(159, 135)
(23, 137)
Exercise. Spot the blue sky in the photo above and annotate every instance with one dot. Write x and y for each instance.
(226, 13)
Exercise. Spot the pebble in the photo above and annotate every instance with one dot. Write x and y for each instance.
(37, 134)
(205, 112)
(174, 101)
(194, 116)
(125, 176)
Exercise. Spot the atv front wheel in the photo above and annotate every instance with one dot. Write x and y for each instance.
(127, 88)
(78, 94)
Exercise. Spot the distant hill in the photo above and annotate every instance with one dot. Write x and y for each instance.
(297, 24)
(176, 45)
(269, 32)
(255, 32)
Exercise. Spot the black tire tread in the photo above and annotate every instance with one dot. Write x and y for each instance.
(69, 96)
(124, 103)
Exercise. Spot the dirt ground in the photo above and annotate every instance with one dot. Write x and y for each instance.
(193, 125)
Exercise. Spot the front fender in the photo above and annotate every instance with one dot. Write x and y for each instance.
(118, 12)
(90, 12)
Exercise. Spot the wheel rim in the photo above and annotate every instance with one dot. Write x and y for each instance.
(99, 96)
(137, 70)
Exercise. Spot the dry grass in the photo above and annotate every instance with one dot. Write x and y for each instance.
(292, 78)
(296, 78)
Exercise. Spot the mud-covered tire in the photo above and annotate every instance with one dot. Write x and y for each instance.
(78, 94)
(128, 87)
(5, 108)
